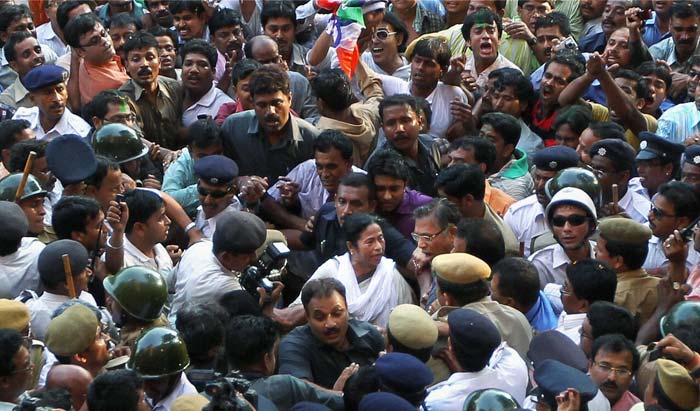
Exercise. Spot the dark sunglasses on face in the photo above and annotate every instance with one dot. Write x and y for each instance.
(213, 193)
(575, 220)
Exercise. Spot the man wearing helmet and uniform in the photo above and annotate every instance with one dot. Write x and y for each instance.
(136, 296)
(31, 200)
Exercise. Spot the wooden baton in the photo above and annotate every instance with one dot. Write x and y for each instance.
(69, 276)
(25, 175)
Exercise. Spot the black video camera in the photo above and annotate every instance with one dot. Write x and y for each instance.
(224, 394)
(261, 273)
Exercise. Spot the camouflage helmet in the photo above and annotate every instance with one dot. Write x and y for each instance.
(140, 291)
(159, 352)
(118, 142)
(9, 185)
(578, 177)
(489, 399)
(677, 315)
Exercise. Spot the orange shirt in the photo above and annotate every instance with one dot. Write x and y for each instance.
(497, 199)
(94, 79)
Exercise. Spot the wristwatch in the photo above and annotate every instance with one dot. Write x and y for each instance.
(532, 41)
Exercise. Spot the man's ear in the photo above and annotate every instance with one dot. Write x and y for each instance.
(97, 122)
(13, 66)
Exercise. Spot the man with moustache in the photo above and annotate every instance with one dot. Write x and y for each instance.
(159, 13)
(158, 98)
(613, 19)
(592, 14)
(681, 123)
(614, 361)
(683, 42)
(23, 53)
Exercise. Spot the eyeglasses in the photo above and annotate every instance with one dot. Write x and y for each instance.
(95, 40)
(575, 220)
(660, 213)
(213, 193)
(383, 34)
(619, 371)
(121, 118)
(428, 238)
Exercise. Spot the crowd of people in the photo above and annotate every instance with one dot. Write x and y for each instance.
(487, 205)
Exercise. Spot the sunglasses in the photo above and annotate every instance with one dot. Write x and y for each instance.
(575, 220)
(213, 193)
(383, 34)
(660, 213)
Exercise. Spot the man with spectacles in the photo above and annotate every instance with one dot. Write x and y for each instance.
(217, 191)
(614, 361)
(16, 367)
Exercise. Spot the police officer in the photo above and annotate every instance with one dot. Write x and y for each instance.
(31, 200)
(526, 217)
(392, 370)
(553, 378)
(489, 399)
(72, 161)
(658, 161)
(690, 171)
(18, 268)
(676, 316)
(137, 296)
(217, 190)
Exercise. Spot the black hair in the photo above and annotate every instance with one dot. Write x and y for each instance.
(364, 381)
(423, 354)
(20, 152)
(78, 27)
(199, 46)
(442, 211)
(239, 302)
(633, 257)
(99, 106)
(400, 28)
(464, 294)
(140, 40)
(333, 139)
(398, 100)
(552, 19)
(484, 150)
(652, 68)
(204, 133)
(390, 163)
(607, 130)
(10, 343)
(73, 214)
(521, 3)
(359, 180)
(356, 223)
(333, 87)
(606, 317)
(104, 166)
(683, 10)
(424, 109)
(518, 279)
(481, 16)
(159, 31)
(65, 8)
(243, 69)
(269, 80)
(116, 390)
(577, 117)
(278, 9)
(592, 280)
(9, 130)
(574, 60)
(522, 87)
(11, 13)
(320, 288)
(683, 197)
(248, 339)
(616, 344)
(53, 398)
(484, 239)
(201, 327)
(12, 42)
(505, 125)
(142, 205)
(435, 48)
(224, 18)
(461, 180)
(125, 20)
(178, 6)
(641, 88)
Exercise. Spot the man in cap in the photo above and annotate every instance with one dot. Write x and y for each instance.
(160, 359)
(613, 163)
(72, 161)
(526, 217)
(690, 169)
(376, 401)
(50, 116)
(207, 270)
(16, 368)
(475, 348)
(217, 190)
(53, 281)
(657, 163)
(673, 387)
(571, 215)
(251, 343)
(392, 369)
(553, 378)
(17, 252)
(410, 330)
(462, 282)
(31, 200)
(614, 361)
(622, 244)
(75, 337)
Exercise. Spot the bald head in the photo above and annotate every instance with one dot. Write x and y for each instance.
(263, 49)
(73, 378)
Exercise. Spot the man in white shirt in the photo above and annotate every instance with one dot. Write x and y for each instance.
(23, 53)
(217, 189)
(18, 254)
(484, 361)
(47, 33)
(50, 117)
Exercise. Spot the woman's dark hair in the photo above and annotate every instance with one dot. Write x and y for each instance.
(355, 224)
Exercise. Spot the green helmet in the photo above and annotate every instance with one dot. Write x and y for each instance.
(139, 290)
(677, 315)
(118, 142)
(576, 177)
(159, 352)
(490, 399)
(9, 185)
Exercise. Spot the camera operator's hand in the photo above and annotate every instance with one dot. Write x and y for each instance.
(268, 304)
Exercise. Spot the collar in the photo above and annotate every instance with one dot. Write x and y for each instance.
(515, 167)
(559, 257)
(208, 99)
(464, 376)
(115, 61)
(571, 320)
(298, 55)
(135, 252)
(18, 91)
(254, 127)
(672, 58)
(355, 332)
(629, 275)
(138, 90)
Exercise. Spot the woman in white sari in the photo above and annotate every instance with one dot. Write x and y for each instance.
(373, 285)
